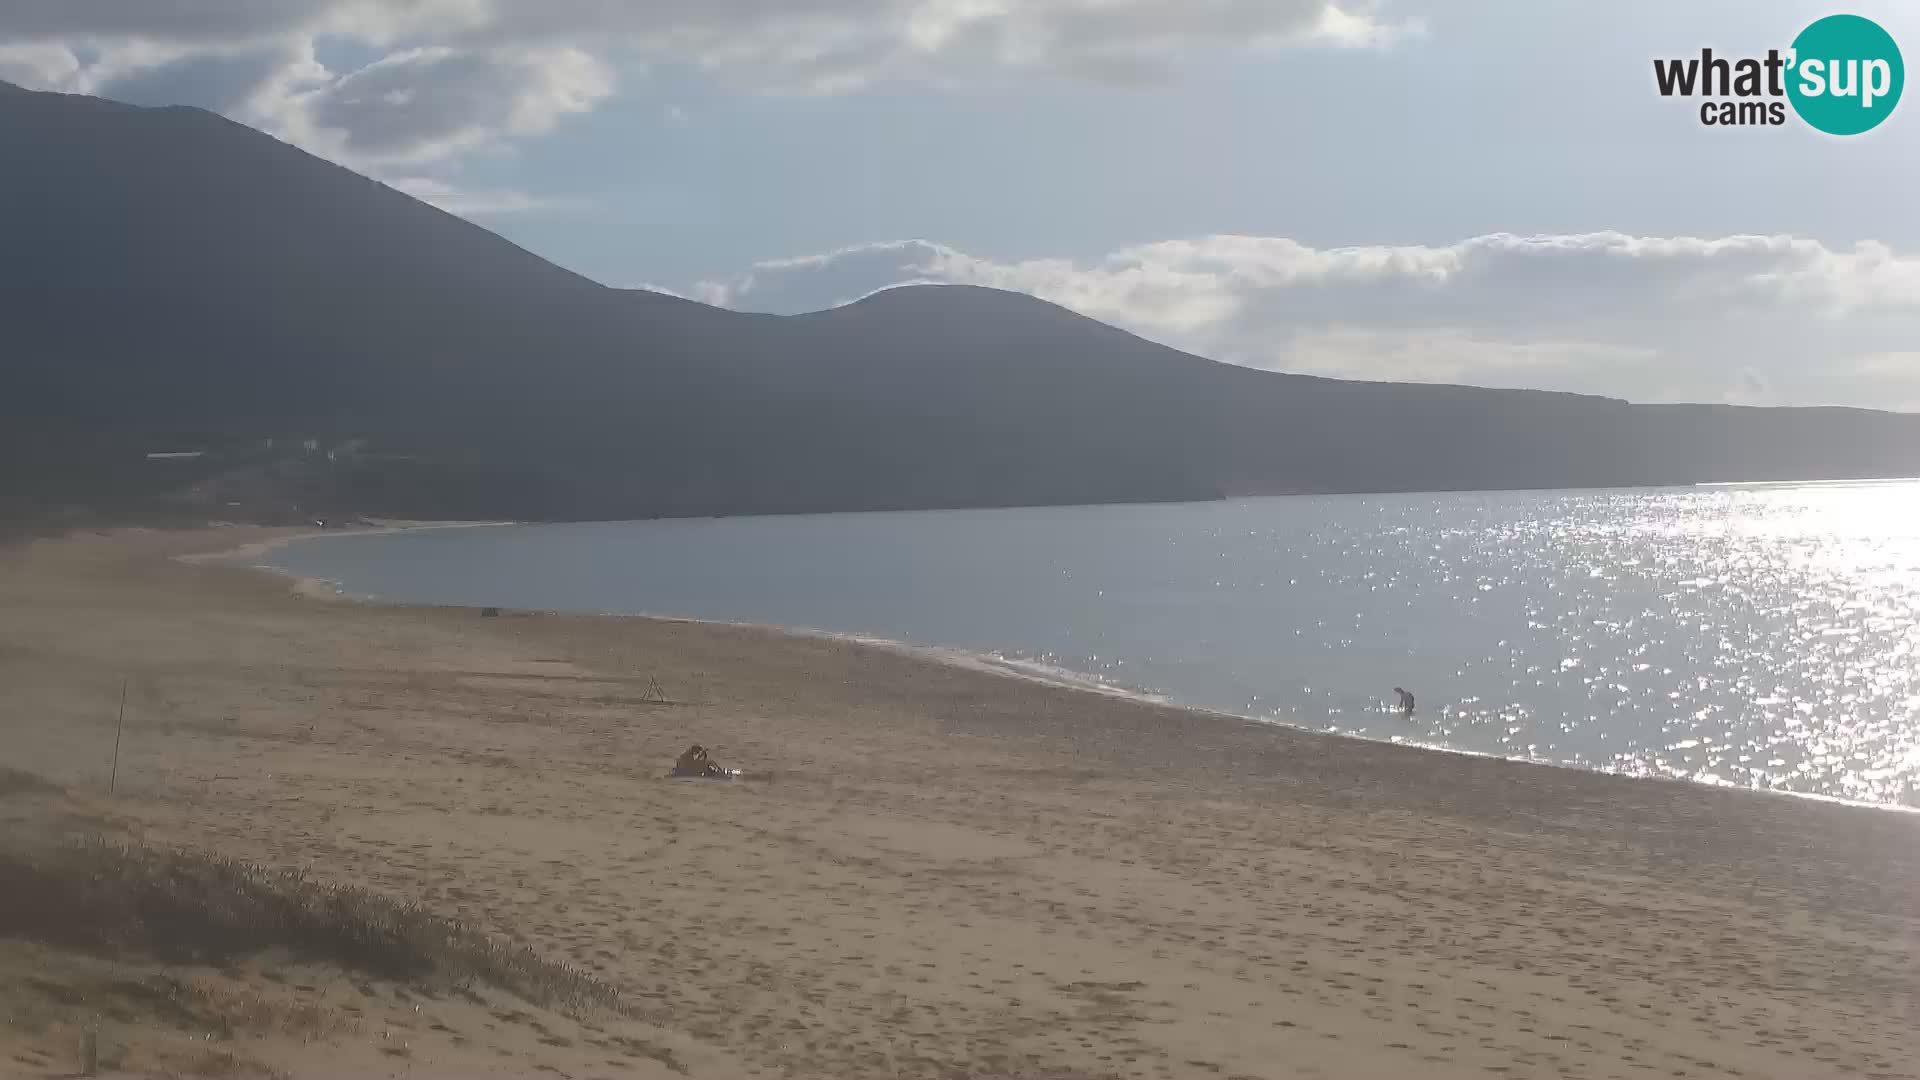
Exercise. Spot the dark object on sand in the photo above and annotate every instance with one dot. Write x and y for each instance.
(489, 612)
(696, 762)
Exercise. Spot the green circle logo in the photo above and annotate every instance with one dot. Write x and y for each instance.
(1846, 75)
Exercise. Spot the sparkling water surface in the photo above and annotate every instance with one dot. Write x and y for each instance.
(1759, 635)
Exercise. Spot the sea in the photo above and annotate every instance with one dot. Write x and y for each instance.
(1761, 636)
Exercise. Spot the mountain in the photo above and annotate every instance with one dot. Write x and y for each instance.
(173, 281)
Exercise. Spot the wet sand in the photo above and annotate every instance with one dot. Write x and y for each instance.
(941, 871)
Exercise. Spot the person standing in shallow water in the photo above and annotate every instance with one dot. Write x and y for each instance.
(1405, 700)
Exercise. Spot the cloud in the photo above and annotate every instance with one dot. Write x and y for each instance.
(431, 103)
(224, 81)
(217, 24)
(648, 286)
(817, 282)
(85, 67)
(476, 203)
(39, 64)
(1651, 318)
(1893, 365)
(835, 45)
(450, 76)
(1893, 375)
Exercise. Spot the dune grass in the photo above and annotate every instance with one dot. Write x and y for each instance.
(20, 782)
(188, 907)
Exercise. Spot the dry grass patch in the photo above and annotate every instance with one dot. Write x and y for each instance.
(21, 782)
(189, 908)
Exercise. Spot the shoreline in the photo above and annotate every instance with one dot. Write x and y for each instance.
(318, 588)
(258, 548)
(984, 662)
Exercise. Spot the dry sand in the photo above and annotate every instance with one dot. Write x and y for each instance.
(942, 872)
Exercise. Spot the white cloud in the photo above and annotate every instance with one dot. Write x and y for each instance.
(431, 103)
(830, 279)
(454, 75)
(46, 65)
(475, 203)
(1894, 375)
(648, 286)
(1895, 365)
(1650, 318)
(830, 45)
(450, 78)
(85, 67)
(398, 118)
(236, 23)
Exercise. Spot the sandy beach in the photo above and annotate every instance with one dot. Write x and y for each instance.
(930, 871)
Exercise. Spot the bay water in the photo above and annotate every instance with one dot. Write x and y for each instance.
(1763, 636)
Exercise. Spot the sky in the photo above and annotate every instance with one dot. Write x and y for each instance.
(1480, 191)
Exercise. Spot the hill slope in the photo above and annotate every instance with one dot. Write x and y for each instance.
(173, 280)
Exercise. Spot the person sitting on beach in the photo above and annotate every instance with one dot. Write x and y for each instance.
(696, 762)
(692, 763)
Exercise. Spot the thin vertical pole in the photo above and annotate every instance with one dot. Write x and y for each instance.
(119, 725)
